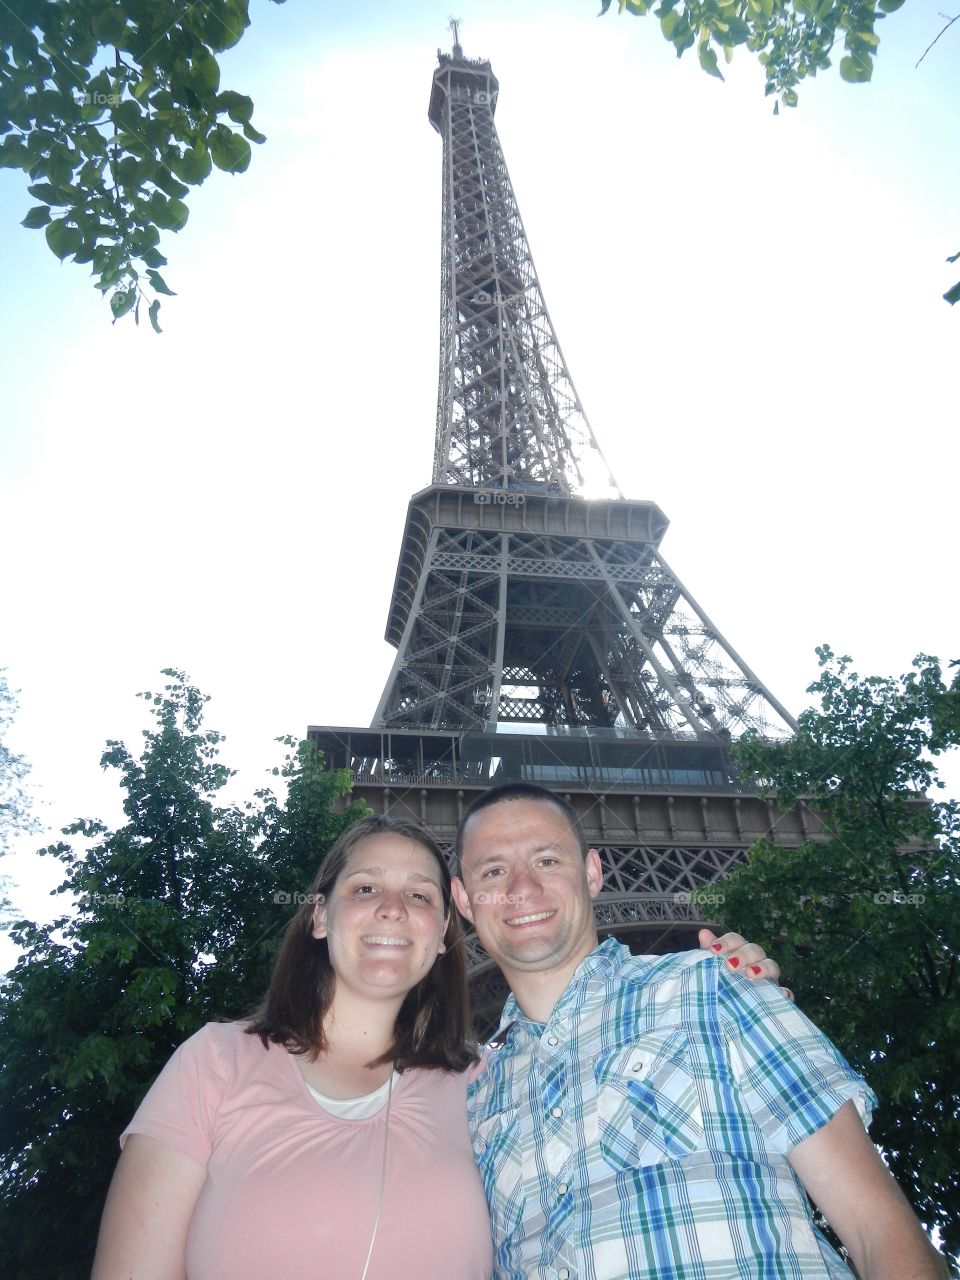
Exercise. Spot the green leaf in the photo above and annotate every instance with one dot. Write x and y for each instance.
(193, 166)
(954, 257)
(953, 295)
(890, 6)
(669, 23)
(121, 302)
(253, 134)
(13, 154)
(856, 69)
(154, 311)
(708, 61)
(237, 106)
(790, 98)
(63, 240)
(50, 194)
(159, 284)
(178, 212)
(229, 150)
(38, 216)
(168, 183)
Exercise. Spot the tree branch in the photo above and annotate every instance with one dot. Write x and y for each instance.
(937, 37)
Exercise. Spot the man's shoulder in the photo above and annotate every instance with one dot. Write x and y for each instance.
(696, 966)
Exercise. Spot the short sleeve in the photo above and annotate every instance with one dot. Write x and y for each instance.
(180, 1108)
(790, 1076)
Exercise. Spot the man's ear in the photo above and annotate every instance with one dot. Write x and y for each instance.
(461, 898)
(594, 872)
(319, 929)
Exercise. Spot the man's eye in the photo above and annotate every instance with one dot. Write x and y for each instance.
(492, 872)
(421, 897)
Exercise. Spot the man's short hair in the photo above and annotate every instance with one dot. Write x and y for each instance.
(519, 791)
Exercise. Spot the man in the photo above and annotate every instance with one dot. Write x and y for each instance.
(654, 1117)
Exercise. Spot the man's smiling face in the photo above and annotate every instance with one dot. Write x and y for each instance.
(527, 888)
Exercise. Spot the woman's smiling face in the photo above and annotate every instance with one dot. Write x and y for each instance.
(384, 918)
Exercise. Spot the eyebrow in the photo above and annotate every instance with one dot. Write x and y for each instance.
(487, 858)
(416, 876)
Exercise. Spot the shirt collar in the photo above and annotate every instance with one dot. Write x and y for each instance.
(601, 960)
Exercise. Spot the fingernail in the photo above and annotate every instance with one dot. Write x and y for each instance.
(733, 962)
(715, 946)
(754, 969)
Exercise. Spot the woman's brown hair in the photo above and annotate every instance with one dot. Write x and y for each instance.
(433, 1025)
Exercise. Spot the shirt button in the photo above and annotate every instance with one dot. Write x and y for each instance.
(556, 1112)
(563, 1274)
(637, 1066)
(552, 1040)
(562, 1189)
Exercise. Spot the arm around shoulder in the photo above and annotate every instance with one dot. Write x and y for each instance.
(843, 1174)
(148, 1210)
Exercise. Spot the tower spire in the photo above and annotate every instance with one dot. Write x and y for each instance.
(455, 29)
(508, 414)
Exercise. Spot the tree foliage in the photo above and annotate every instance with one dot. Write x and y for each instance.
(178, 915)
(792, 39)
(15, 817)
(865, 916)
(113, 108)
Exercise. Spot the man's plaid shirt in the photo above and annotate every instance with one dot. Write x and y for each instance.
(643, 1131)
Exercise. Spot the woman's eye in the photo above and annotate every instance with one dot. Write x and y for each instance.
(363, 890)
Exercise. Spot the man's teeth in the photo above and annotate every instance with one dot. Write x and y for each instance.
(382, 940)
(539, 915)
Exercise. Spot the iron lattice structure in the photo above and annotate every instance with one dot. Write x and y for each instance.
(540, 633)
(508, 414)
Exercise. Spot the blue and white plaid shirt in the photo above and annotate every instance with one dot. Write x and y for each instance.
(643, 1131)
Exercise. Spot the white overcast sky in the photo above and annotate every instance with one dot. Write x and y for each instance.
(749, 306)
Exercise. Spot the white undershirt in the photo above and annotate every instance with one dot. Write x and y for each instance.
(355, 1108)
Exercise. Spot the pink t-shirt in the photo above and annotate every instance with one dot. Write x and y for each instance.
(291, 1192)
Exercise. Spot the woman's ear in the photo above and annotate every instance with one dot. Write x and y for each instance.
(319, 929)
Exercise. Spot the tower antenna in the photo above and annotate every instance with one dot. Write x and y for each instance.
(455, 28)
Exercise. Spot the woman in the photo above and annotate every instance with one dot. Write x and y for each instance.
(328, 1137)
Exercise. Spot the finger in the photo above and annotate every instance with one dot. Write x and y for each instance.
(706, 938)
(756, 969)
(727, 943)
(788, 993)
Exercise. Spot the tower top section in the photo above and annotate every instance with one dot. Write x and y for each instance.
(508, 415)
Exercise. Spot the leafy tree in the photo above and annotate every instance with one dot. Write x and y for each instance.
(866, 914)
(178, 914)
(114, 110)
(792, 39)
(15, 816)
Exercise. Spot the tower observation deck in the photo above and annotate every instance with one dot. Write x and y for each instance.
(540, 633)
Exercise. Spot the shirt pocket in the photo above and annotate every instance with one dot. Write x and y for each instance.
(648, 1104)
(498, 1151)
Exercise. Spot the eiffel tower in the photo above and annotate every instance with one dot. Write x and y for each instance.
(540, 633)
